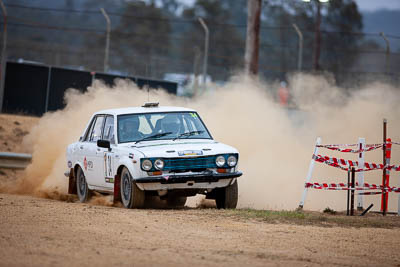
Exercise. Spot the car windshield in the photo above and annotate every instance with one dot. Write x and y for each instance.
(161, 126)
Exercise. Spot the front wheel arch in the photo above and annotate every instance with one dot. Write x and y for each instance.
(131, 195)
(117, 184)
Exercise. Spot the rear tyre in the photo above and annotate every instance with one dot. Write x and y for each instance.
(82, 189)
(176, 202)
(227, 197)
(131, 195)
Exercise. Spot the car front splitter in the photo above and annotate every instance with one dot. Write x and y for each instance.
(197, 178)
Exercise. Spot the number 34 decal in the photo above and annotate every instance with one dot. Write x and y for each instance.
(108, 165)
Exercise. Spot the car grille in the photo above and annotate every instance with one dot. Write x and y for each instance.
(179, 164)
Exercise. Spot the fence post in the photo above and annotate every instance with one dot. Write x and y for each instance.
(387, 163)
(105, 68)
(348, 191)
(300, 55)
(46, 107)
(398, 206)
(3, 56)
(360, 175)
(309, 174)
(387, 52)
(383, 199)
(353, 186)
(206, 41)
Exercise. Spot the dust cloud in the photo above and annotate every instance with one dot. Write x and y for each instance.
(275, 144)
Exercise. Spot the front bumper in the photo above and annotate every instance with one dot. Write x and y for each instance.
(203, 181)
(208, 177)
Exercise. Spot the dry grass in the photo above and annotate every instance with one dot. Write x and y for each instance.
(318, 218)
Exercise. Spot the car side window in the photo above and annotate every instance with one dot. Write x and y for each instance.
(89, 130)
(108, 133)
(97, 129)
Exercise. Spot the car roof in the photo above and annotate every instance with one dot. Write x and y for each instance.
(133, 110)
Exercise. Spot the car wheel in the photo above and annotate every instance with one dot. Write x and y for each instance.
(131, 195)
(82, 189)
(227, 197)
(176, 202)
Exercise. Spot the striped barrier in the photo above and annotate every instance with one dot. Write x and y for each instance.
(349, 150)
(358, 166)
(343, 186)
(335, 162)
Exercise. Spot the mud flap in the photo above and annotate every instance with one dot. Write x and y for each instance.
(72, 183)
(117, 188)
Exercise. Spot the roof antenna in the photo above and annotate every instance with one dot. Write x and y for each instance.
(148, 94)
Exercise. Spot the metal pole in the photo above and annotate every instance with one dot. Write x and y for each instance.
(365, 211)
(360, 175)
(387, 52)
(309, 174)
(353, 185)
(107, 39)
(383, 200)
(348, 193)
(3, 55)
(196, 69)
(46, 107)
(207, 33)
(300, 56)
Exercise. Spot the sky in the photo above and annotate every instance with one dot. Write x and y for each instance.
(373, 5)
(364, 5)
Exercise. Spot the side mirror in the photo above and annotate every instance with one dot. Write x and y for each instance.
(104, 144)
(80, 138)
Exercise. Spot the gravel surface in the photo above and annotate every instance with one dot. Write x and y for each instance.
(44, 232)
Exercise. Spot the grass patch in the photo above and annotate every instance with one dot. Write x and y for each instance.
(329, 210)
(326, 219)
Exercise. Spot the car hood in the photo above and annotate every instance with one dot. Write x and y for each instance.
(183, 148)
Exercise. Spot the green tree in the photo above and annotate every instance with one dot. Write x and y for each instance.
(339, 17)
(226, 46)
(142, 34)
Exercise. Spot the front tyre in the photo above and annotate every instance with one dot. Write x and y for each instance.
(227, 197)
(131, 195)
(82, 188)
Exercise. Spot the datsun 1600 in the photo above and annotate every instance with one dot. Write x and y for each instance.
(151, 150)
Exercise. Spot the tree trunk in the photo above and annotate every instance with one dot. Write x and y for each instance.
(317, 44)
(253, 37)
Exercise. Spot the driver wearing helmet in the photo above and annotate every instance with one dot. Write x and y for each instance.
(170, 123)
(130, 130)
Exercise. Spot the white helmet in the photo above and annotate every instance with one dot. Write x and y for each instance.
(170, 123)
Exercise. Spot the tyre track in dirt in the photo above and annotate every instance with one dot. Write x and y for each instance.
(43, 232)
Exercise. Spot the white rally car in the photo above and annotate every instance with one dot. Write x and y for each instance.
(152, 151)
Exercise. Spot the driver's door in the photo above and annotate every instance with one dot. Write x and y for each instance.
(93, 167)
(105, 157)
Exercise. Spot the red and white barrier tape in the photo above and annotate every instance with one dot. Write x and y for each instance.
(349, 150)
(337, 145)
(335, 162)
(343, 186)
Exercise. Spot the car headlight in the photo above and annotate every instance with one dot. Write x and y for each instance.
(220, 161)
(232, 161)
(159, 164)
(147, 165)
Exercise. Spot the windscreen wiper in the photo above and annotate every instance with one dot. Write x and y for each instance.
(187, 134)
(153, 136)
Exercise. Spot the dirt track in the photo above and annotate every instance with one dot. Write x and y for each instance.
(42, 232)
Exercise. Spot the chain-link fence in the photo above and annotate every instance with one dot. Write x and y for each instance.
(348, 56)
